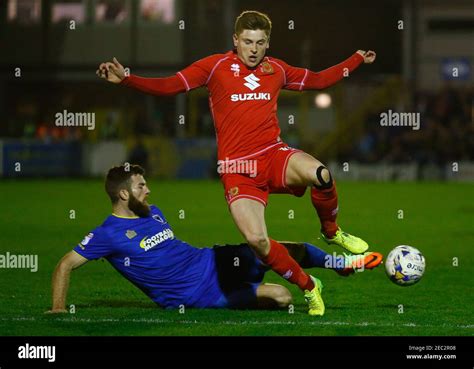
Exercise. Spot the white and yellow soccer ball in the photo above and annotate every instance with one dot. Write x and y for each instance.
(405, 265)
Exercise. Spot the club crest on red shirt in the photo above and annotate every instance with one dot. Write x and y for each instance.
(267, 68)
(233, 191)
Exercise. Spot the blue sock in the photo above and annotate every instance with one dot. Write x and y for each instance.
(317, 258)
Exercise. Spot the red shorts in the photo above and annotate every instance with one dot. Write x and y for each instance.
(257, 176)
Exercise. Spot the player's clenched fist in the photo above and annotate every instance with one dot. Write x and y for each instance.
(369, 56)
(111, 71)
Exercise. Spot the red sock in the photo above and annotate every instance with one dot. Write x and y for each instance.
(282, 263)
(325, 203)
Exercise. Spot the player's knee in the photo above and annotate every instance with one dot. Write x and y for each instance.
(323, 178)
(258, 241)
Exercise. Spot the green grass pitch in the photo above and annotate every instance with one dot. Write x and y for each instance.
(438, 219)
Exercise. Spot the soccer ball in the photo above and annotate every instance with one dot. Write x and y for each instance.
(405, 265)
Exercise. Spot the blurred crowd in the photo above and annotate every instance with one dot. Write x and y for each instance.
(446, 132)
(48, 132)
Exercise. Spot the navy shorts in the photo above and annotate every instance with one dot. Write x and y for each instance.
(239, 273)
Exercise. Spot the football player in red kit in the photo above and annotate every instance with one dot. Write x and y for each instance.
(243, 87)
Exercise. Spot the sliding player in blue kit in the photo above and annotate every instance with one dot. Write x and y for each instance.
(140, 244)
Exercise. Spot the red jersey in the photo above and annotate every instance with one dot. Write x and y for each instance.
(243, 101)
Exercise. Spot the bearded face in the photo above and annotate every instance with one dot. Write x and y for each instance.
(140, 208)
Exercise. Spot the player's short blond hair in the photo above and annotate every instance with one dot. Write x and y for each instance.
(253, 20)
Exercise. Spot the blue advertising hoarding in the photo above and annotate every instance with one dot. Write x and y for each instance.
(36, 159)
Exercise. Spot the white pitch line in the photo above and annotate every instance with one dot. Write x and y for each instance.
(244, 322)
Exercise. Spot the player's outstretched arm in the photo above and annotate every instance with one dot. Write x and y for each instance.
(115, 72)
(303, 79)
(60, 282)
(332, 75)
